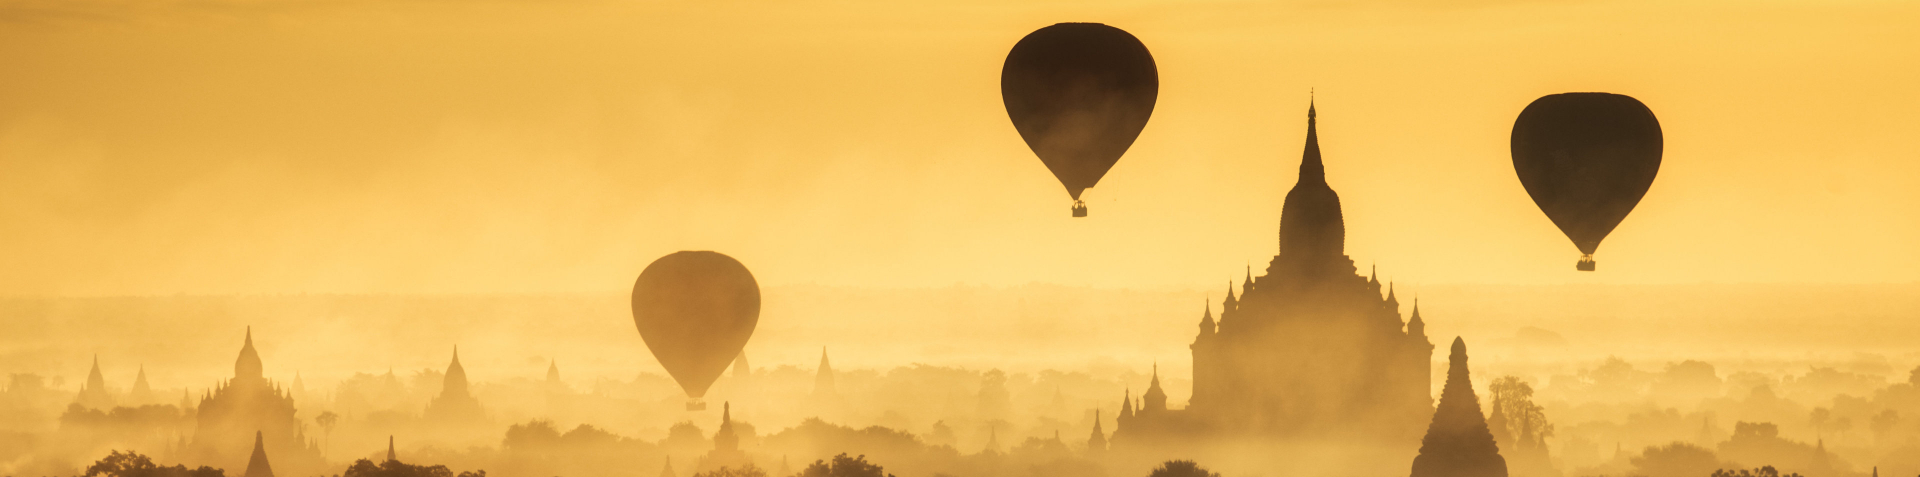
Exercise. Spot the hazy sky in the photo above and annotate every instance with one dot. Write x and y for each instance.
(528, 146)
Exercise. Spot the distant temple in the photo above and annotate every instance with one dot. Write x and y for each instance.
(94, 394)
(455, 405)
(250, 404)
(726, 445)
(142, 393)
(825, 402)
(823, 378)
(1308, 349)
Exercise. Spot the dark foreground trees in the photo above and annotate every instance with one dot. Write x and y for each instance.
(843, 466)
(394, 468)
(1181, 468)
(130, 464)
(748, 470)
(1767, 471)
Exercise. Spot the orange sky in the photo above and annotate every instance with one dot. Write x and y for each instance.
(528, 146)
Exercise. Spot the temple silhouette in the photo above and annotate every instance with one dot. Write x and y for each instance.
(1307, 349)
(456, 406)
(250, 412)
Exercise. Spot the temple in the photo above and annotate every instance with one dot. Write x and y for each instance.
(1309, 349)
(455, 405)
(250, 404)
(94, 394)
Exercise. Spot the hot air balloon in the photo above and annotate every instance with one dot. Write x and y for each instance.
(1079, 93)
(1587, 159)
(695, 310)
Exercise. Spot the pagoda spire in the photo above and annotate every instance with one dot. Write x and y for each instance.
(257, 465)
(1154, 399)
(1312, 231)
(95, 380)
(1098, 442)
(1458, 442)
(391, 456)
(1415, 326)
(1206, 319)
(248, 366)
(823, 376)
(1311, 169)
(455, 381)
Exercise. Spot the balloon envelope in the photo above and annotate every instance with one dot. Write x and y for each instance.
(1079, 93)
(696, 310)
(1587, 159)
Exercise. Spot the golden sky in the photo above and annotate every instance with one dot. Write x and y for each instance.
(270, 146)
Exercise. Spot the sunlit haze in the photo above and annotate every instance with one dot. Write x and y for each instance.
(365, 185)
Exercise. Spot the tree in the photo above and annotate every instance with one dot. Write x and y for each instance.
(130, 464)
(843, 466)
(1181, 468)
(327, 420)
(1678, 459)
(392, 468)
(1820, 418)
(1767, 471)
(1523, 420)
(745, 471)
(1884, 422)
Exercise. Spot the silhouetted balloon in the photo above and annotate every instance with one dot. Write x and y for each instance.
(696, 310)
(1587, 159)
(1079, 93)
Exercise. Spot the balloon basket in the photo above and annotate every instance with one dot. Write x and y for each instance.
(696, 405)
(1079, 209)
(1585, 265)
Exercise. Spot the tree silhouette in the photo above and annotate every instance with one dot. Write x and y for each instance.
(1820, 417)
(1181, 468)
(1678, 459)
(327, 420)
(1524, 422)
(748, 470)
(394, 468)
(1884, 422)
(843, 466)
(130, 464)
(1767, 471)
